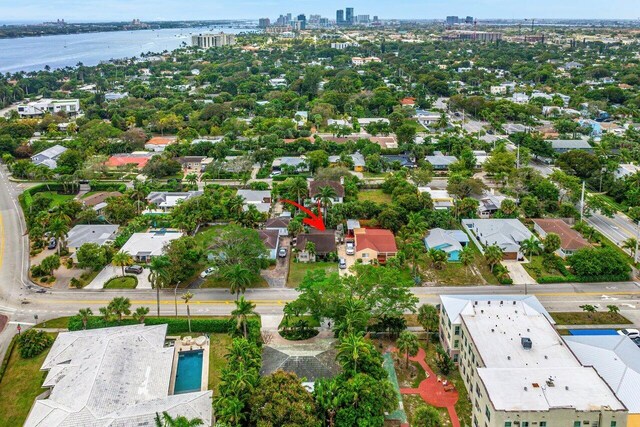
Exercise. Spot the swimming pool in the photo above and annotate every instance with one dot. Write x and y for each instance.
(189, 372)
(593, 332)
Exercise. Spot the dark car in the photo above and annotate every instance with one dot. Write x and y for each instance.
(134, 269)
(52, 243)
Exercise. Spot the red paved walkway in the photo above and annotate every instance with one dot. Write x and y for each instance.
(432, 391)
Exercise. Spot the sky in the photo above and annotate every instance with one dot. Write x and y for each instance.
(124, 10)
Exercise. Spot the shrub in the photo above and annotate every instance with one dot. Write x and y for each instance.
(32, 343)
(76, 283)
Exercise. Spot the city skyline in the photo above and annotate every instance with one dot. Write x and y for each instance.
(122, 10)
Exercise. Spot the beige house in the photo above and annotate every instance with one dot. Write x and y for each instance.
(519, 372)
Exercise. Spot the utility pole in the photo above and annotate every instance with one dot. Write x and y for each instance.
(582, 204)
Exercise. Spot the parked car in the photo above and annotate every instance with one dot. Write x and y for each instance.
(52, 243)
(342, 264)
(636, 341)
(134, 269)
(631, 333)
(282, 253)
(208, 272)
(351, 248)
(275, 173)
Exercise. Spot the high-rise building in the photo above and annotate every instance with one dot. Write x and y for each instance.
(264, 22)
(349, 15)
(302, 20)
(468, 20)
(452, 20)
(206, 41)
(340, 17)
(363, 19)
(375, 18)
(289, 18)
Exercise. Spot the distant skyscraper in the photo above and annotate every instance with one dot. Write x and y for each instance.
(340, 17)
(363, 19)
(375, 18)
(302, 20)
(452, 20)
(289, 18)
(264, 22)
(350, 16)
(469, 20)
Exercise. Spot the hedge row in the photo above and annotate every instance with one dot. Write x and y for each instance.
(571, 278)
(107, 186)
(7, 356)
(175, 325)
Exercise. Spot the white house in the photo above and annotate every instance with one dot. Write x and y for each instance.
(49, 156)
(51, 106)
(143, 246)
(626, 169)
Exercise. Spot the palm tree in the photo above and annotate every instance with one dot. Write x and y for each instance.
(186, 297)
(630, 244)
(407, 343)
(239, 278)
(120, 306)
(416, 224)
(326, 195)
(438, 258)
(168, 421)
(467, 256)
(428, 317)
(122, 259)
(531, 246)
(58, 229)
(230, 410)
(355, 318)
(192, 179)
(251, 217)
(613, 308)
(350, 350)
(299, 187)
(234, 206)
(140, 314)
(243, 310)
(159, 276)
(493, 255)
(85, 314)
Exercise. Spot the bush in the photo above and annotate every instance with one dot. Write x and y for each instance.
(175, 326)
(298, 335)
(78, 284)
(107, 186)
(33, 343)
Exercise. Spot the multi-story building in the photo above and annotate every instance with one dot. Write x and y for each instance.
(43, 106)
(340, 17)
(349, 16)
(264, 22)
(363, 19)
(207, 41)
(302, 21)
(518, 370)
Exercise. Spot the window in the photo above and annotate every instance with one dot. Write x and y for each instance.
(487, 412)
(455, 358)
(456, 344)
(524, 424)
(613, 424)
(507, 424)
(365, 255)
(577, 424)
(456, 330)
(543, 424)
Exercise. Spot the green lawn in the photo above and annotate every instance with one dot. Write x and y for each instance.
(217, 361)
(537, 268)
(456, 274)
(297, 270)
(376, 196)
(60, 323)
(584, 318)
(57, 199)
(20, 385)
(126, 282)
(218, 282)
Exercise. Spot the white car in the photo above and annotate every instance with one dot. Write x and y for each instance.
(208, 272)
(342, 264)
(350, 249)
(631, 333)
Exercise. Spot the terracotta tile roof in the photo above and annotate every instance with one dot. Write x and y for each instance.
(315, 186)
(161, 140)
(408, 101)
(570, 239)
(376, 239)
(115, 161)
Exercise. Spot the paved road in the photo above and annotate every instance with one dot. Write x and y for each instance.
(20, 302)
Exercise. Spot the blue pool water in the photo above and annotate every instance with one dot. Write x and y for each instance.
(189, 372)
(593, 332)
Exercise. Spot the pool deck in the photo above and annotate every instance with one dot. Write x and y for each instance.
(181, 346)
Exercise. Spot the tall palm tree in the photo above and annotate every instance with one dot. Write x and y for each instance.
(120, 306)
(159, 276)
(350, 350)
(416, 224)
(140, 314)
(252, 217)
(493, 255)
(326, 195)
(438, 258)
(243, 310)
(299, 187)
(186, 297)
(192, 178)
(58, 229)
(167, 420)
(85, 314)
(122, 259)
(531, 246)
(467, 256)
(407, 343)
(234, 206)
(239, 278)
(230, 409)
(630, 244)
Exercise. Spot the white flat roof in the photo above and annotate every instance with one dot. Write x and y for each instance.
(528, 390)
(113, 376)
(151, 243)
(455, 304)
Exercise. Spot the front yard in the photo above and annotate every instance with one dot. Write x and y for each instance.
(377, 196)
(297, 270)
(19, 387)
(122, 282)
(456, 274)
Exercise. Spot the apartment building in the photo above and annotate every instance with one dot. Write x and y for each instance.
(206, 41)
(518, 370)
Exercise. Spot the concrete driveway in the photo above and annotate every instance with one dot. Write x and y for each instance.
(111, 271)
(351, 260)
(276, 277)
(518, 274)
